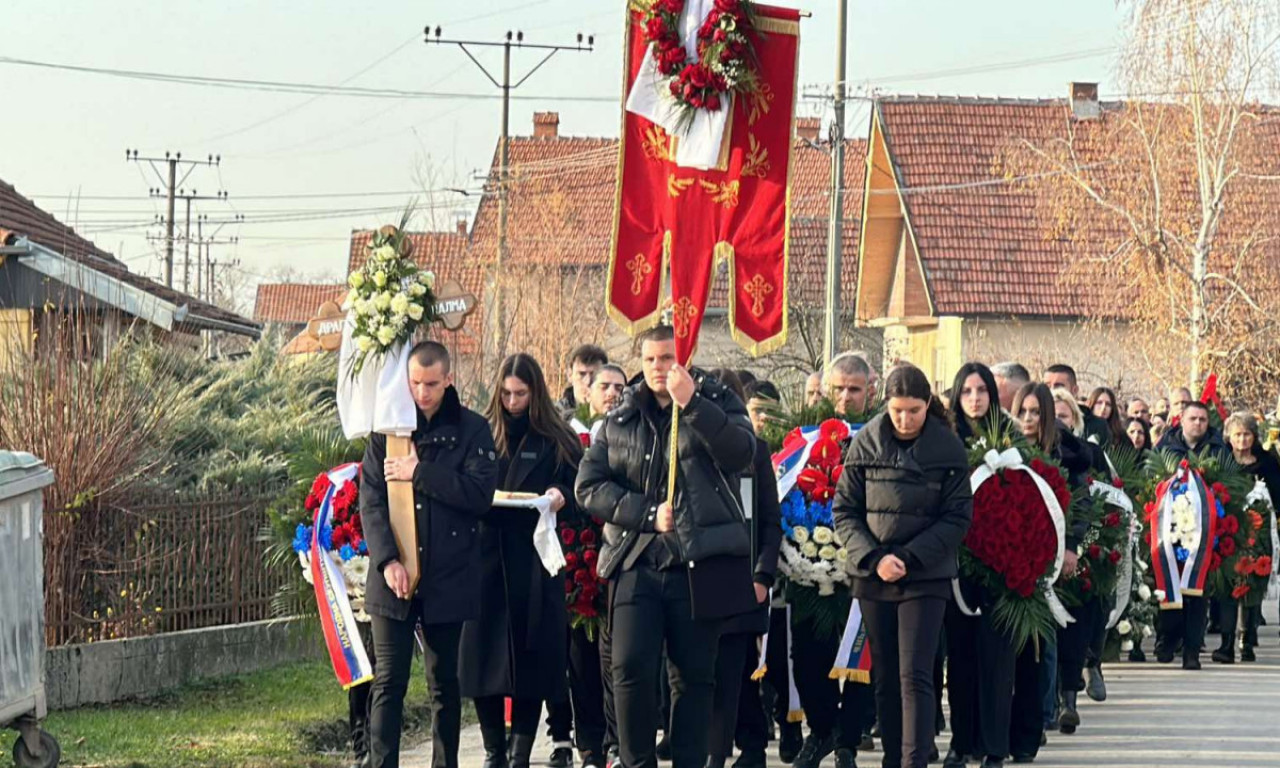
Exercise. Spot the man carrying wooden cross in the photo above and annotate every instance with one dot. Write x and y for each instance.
(453, 470)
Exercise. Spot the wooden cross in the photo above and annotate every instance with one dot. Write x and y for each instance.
(757, 289)
(639, 268)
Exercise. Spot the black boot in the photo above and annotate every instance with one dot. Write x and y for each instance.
(495, 746)
(521, 750)
(1070, 718)
(792, 738)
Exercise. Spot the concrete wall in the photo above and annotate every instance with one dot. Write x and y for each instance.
(114, 670)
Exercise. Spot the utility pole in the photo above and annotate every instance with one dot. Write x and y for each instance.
(169, 186)
(835, 231)
(204, 244)
(513, 40)
(186, 196)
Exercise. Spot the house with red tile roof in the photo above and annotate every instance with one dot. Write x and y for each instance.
(47, 269)
(960, 259)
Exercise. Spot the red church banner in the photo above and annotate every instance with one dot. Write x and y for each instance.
(687, 220)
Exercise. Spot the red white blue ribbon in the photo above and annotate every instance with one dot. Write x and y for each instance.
(346, 650)
(1176, 579)
(853, 658)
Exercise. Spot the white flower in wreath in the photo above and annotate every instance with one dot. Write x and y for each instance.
(356, 573)
(827, 553)
(380, 278)
(809, 550)
(427, 278)
(386, 335)
(1144, 592)
(800, 534)
(842, 555)
(415, 311)
(1160, 594)
(826, 589)
(1124, 627)
(400, 304)
(384, 253)
(1147, 631)
(365, 343)
(1126, 646)
(382, 301)
(417, 290)
(356, 279)
(822, 535)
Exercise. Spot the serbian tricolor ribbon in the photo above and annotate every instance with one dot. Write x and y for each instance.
(346, 650)
(795, 712)
(793, 457)
(853, 657)
(1183, 523)
(734, 210)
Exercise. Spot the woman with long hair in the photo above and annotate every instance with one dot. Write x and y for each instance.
(902, 507)
(1138, 433)
(980, 657)
(518, 648)
(1103, 404)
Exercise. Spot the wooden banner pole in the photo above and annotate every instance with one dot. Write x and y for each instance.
(404, 524)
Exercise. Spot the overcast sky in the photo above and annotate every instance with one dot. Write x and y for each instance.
(65, 133)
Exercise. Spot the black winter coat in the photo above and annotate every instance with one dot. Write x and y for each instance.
(621, 481)
(1080, 459)
(1210, 444)
(452, 487)
(1266, 469)
(518, 646)
(761, 488)
(913, 502)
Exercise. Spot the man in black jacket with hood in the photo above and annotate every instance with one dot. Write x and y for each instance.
(1193, 435)
(454, 471)
(678, 566)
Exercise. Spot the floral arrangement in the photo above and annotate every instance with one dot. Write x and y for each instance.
(813, 558)
(584, 592)
(343, 539)
(1100, 551)
(725, 61)
(390, 297)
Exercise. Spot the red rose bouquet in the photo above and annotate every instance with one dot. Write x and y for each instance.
(584, 590)
(1013, 544)
(1102, 549)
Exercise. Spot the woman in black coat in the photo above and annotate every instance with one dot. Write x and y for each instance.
(980, 657)
(737, 706)
(518, 646)
(1241, 433)
(902, 507)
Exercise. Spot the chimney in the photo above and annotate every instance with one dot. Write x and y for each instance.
(1084, 101)
(807, 128)
(546, 125)
(462, 226)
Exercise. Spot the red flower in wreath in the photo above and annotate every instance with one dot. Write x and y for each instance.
(1117, 482)
(1227, 546)
(814, 484)
(312, 503)
(588, 537)
(571, 561)
(1244, 565)
(1231, 524)
(590, 557)
(835, 429)
(1095, 551)
(1263, 566)
(346, 497)
(581, 577)
(568, 536)
(1220, 491)
(1112, 520)
(1240, 591)
(321, 485)
(1255, 520)
(825, 454)
(1114, 556)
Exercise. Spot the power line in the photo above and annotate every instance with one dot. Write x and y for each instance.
(279, 86)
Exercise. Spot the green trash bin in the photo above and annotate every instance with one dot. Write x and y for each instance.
(23, 478)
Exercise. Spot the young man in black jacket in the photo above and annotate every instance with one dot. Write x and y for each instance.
(453, 468)
(678, 566)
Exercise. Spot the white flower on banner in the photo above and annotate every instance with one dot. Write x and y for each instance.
(827, 553)
(822, 535)
(809, 549)
(1126, 646)
(800, 535)
(1144, 592)
(1124, 627)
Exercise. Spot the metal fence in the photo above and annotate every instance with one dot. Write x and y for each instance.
(159, 564)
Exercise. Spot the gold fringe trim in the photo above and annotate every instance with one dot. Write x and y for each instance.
(361, 681)
(1193, 592)
(759, 674)
(1171, 606)
(777, 26)
(852, 675)
(795, 716)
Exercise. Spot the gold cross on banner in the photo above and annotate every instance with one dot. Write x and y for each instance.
(682, 315)
(757, 289)
(639, 268)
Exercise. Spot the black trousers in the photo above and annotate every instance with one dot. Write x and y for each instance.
(752, 733)
(358, 696)
(828, 708)
(605, 647)
(491, 712)
(1073, 644)
(1026, 724)
(731, 659)
(1098, 643)
(1228, 621)
(393, 641)
(1185, 626)
(980, 675)
(581, 716)
(650, 608)
(904, 638)
(560, 719)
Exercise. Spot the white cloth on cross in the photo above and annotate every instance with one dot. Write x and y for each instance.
(378, 398)
(650, 98)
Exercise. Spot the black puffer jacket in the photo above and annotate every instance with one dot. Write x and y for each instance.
(913, 502)
(1211, 444)
(620, 480)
